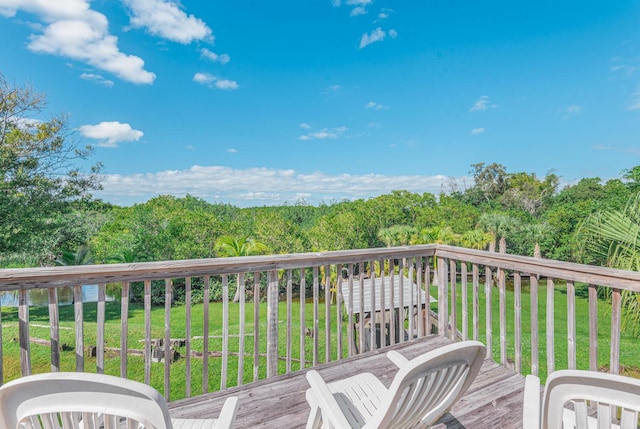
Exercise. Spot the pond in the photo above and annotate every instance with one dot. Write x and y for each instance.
(40, 297)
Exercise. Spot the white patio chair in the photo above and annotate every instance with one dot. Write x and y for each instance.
(422, 391)
(70, 400)
(575, 399)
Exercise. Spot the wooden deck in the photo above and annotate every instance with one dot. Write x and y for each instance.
(494, 400)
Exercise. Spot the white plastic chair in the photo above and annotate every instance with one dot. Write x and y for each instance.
(575, 399)
(70, 400)
(422, 391)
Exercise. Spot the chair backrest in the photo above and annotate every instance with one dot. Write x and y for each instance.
(606, 398)
(430, 384)
(71, 400)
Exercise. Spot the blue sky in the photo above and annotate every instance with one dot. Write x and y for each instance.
(261, 103)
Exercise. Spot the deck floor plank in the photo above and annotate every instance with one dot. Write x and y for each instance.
(493, 400)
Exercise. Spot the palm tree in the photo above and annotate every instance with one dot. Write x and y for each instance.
(81, 257)
(612, 238)
(396, 235)
(228, 246)
(498, 225)
(476, 239)
(536, 232)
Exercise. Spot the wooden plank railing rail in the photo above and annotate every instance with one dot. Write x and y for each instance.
(273, 295)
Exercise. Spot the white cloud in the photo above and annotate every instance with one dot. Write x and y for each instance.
(99, 79)
(336, 3)
(232, 150)
(483, 103)
(383, 15)
(72, 30)
(166, 19)
(213, 82)
(570, 111)
(259, 186)
(212, 56)
(226, 84)
(360, 10)
(358, 2)
(476, 131)
(636, 103)
(375, 106)
(110, 133)
(305, 126)
(393, 33)
(325, 133)
(376, 35)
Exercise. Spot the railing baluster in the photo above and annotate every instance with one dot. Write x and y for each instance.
(383, 331)
(442, 297)
(616, 316)
(413, 306)
(54, 332)
(551, 358)
(327, 313)
(316, 316)
(392, 303)
(100, 320)
(187, 334)
(272, 324)
(423, 307)
(256, 326)
(361, 318)
(517, 310)
(533, 296)
(225, 332)
(241, 330)
(124, 324)
(303, 327)
(465, 301)
(205, 335)
(289, 319)
(147, 332)
(488, 288)
(475, 273)
(454, 298)
(25, 344)
(79, 319)
(502, 291)
(571, 324)
(372, 292)
(593, 328)
(168, 286)
(400, 311)
(350, 333)
(339, 311)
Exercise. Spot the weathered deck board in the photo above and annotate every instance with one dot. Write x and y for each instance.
(493, 400)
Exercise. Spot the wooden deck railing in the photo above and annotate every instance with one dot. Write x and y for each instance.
(296, 317)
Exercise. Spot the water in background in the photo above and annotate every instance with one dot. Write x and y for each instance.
(65, 296)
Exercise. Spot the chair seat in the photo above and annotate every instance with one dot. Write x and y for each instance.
(359, 397)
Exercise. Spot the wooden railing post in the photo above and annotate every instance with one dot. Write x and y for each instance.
(616, 317)
(272, 324)
(443, 315)
(25, 344)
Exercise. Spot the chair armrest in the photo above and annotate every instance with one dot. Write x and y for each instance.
(329, 407)
(531, 403)
(395, 357)
(228, 413)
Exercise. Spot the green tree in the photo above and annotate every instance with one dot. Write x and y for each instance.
(228, 246)
(397, 235)
(612, 238)
(476, 239)
(80, 257)
(39, 175)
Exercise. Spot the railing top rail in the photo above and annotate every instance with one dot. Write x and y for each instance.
(45, 277)
(591, 274)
